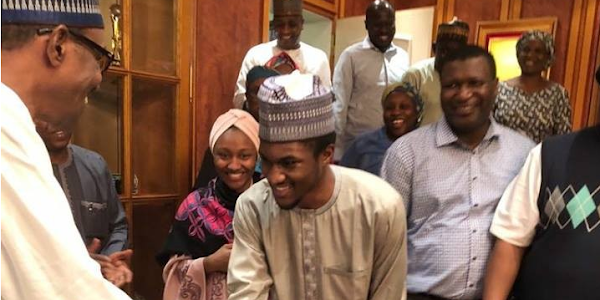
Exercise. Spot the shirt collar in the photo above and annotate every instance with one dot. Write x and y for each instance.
(367, 44)
(445, 136)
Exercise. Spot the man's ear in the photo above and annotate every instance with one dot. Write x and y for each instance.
(55, 48)
(327, 155)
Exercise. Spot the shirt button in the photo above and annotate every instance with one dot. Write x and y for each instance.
(474, 258)
(474, 230)
(471, 285)
(476, 204)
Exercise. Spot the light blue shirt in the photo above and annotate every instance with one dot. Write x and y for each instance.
(367, 151)
(450, 193)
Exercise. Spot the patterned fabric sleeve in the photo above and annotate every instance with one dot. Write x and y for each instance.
(185, 278)
(562, 113)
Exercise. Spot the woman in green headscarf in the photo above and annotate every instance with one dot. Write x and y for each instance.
(402, 113)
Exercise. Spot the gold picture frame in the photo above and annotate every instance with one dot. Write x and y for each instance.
(500, 38)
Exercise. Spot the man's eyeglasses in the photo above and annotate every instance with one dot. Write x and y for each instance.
(103, 57)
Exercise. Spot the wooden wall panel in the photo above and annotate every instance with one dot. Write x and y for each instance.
(562, 10)
(473, 11)
(225, 30)
(152, 221)
(594, 115)
(355, 7)
(403, 4)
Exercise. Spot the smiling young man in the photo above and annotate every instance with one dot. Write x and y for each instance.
(52, 58)
(288, 24)
(312, 230)
(451, 175)
(363, 72)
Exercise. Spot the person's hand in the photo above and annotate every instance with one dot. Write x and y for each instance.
(115, 268)
(121, 274)
(94, 246)
(218, 261)
(122, 256)
(117, 273)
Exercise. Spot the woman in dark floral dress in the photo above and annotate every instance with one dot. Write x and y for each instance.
(531, 104)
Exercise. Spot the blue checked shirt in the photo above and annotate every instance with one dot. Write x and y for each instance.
(450, 193)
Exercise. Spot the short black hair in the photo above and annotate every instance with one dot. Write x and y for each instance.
(467, 52)
(379, 5)
(14, 36)
(319, 144)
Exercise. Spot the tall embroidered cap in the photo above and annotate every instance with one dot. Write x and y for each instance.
(455, 30)
(74, 13)
(294, 107)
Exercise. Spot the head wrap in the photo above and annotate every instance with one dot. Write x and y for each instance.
(294, 107)
(75, 13)
(544, 37)
(410, 91)
(234, 118)
(281, 59)
(258, 72)
(455, 30)
(287, 7)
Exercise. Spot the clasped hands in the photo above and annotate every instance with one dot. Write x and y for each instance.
(114, 267)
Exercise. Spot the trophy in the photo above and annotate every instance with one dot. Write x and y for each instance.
(116, 41)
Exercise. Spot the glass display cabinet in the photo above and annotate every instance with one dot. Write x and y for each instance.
(139, 120)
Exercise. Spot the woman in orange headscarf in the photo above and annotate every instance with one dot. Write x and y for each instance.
(199, 243)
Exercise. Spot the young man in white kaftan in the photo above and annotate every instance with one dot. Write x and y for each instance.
(288, 24)
(312, 230)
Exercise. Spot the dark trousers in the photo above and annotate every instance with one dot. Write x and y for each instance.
(423, 297)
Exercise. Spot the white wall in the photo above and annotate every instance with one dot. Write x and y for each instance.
(413, 30)
(417, 23)
(318, 34)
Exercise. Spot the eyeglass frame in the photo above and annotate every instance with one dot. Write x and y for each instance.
(97, 51)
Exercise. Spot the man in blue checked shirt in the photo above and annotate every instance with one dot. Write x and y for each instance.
(451, 175)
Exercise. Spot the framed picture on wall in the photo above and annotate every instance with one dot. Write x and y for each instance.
(500, 39)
